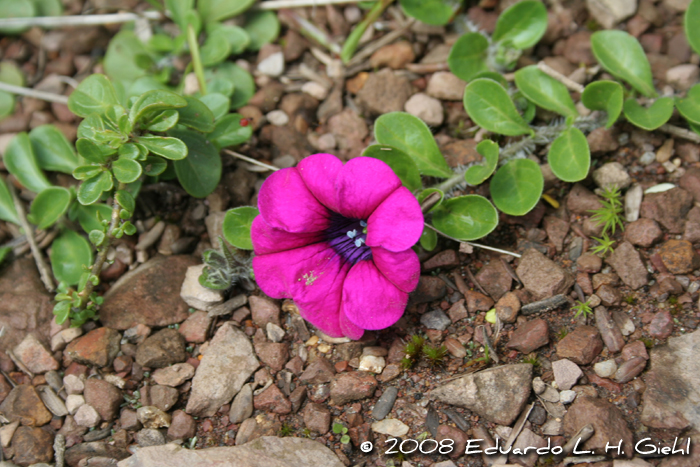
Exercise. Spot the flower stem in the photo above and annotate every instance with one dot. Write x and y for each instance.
(478, 245)
(251, 160)
(196, 59)
(102, 254)
(29, 92)
(78, 20)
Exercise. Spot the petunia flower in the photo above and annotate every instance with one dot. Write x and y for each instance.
(336, 238)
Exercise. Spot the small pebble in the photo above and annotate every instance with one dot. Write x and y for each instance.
(315, 90)
(647, 158)
(274, 332)
(273, 65)
(567, 397)
(605, 369)
(385, 403)
(372, 364)
(277, 117)
(391, 427)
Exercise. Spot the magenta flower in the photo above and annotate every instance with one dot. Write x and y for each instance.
(337, 240)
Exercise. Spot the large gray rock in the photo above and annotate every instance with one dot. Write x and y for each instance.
(673, 384)
(269, 451)
(227, 364)
(498, 394)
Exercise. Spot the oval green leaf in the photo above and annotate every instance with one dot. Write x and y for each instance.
(8, 212)
(428, 239)
(199, 173)
(517, 187)
(230, 132)
(125, 170)
(435, 12)
(215, 49)
(569, 156)
(120, 59)
(689, 106)
(21, 162)
(237, 224)
(467, 57)
(69, 253)
(217, 103)
(16, 9)
(95, 94)
(154, 166)
(648, 118)
(604, 95)
(125, 200)
(623, 57)
(490, 107)
(238, 39)
(170, 148)
(545, 91)
(476, 174)
(88, 216)
(412, 136)
(155, 101)
(91, 189)
(164, 121)
(691, 24)
(196, 115)
(10, 74)
(52, 149)
(468, 217)
(90, 151)
(400, 162)
(49, 206)
(217, 10)
(263, 27)
(522, 24)
(244, 85)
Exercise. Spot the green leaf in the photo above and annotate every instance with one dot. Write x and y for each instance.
(196, 115)
(522, 24)
(237, 224)
(244, 85)
(468, 56)
(48, 7)
(517, 187)
(490, 107)
(69, 253)
(229, 132)
(84, 172)
(143, 85)
(120, 59)
(87, 216)
(545, 91)
(200, 172)
(689, 106)
(412, 136)
(623, 57)
(691, 24)
(154, 165)
(49, 206)
(90, 151)
(263, 27)
(428, 239)
(91, 189)
(10, 74)
(155, 101)
(161, 43)
(52, 149)
(435, 12)
(468, 217)
(164, 121)
(178, 11)
(217, 10)
(7, 104)
(125, 170)
(215, 49)
(604, 95)
(21, 162)
(494, 76)
(476, 174)
(238, 39)
(125, 200)
(569, 156)
(8, 212)
(96, 237)
(16, 9)
(170, 148)
(649, 118)
(62, 310)
(217, 103)
(94, 95)
(400, 162)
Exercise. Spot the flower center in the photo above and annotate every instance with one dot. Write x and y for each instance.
(347, 237)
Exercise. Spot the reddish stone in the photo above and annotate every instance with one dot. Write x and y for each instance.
(530, 336)
(272, 400)
(661, 325)
(98, 347)
(581, 345)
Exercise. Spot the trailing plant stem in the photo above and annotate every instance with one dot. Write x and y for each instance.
(103, 250)
(29, 92)
(450, 183)
(196, 59)
(477, 245)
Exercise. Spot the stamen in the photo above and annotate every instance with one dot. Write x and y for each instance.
(363, 223)
(352, 233)
(359, 242)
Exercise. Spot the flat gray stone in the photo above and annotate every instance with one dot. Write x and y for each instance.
(436, 320)
(499, 394)
(385, 403)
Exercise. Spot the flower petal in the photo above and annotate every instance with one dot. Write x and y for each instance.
(319, 172)
(370, 300)
(312, 276)
(349, 329)
(287, 204)
(397, 223)
(401, 268)
(362, 185)
(267, 239)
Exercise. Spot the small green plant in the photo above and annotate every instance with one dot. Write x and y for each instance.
(340, 429)
(605, 245)
(532, 359)
(648, 343)
(286, 430)
(414, 347)
(582, 307)
(630, 299)
(306, 433)
(435, 354)
(225, 268)
(562, 333)
(610, 214)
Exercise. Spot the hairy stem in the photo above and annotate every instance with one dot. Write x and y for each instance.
(196, 59)
(450, 183)
(102, 253)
